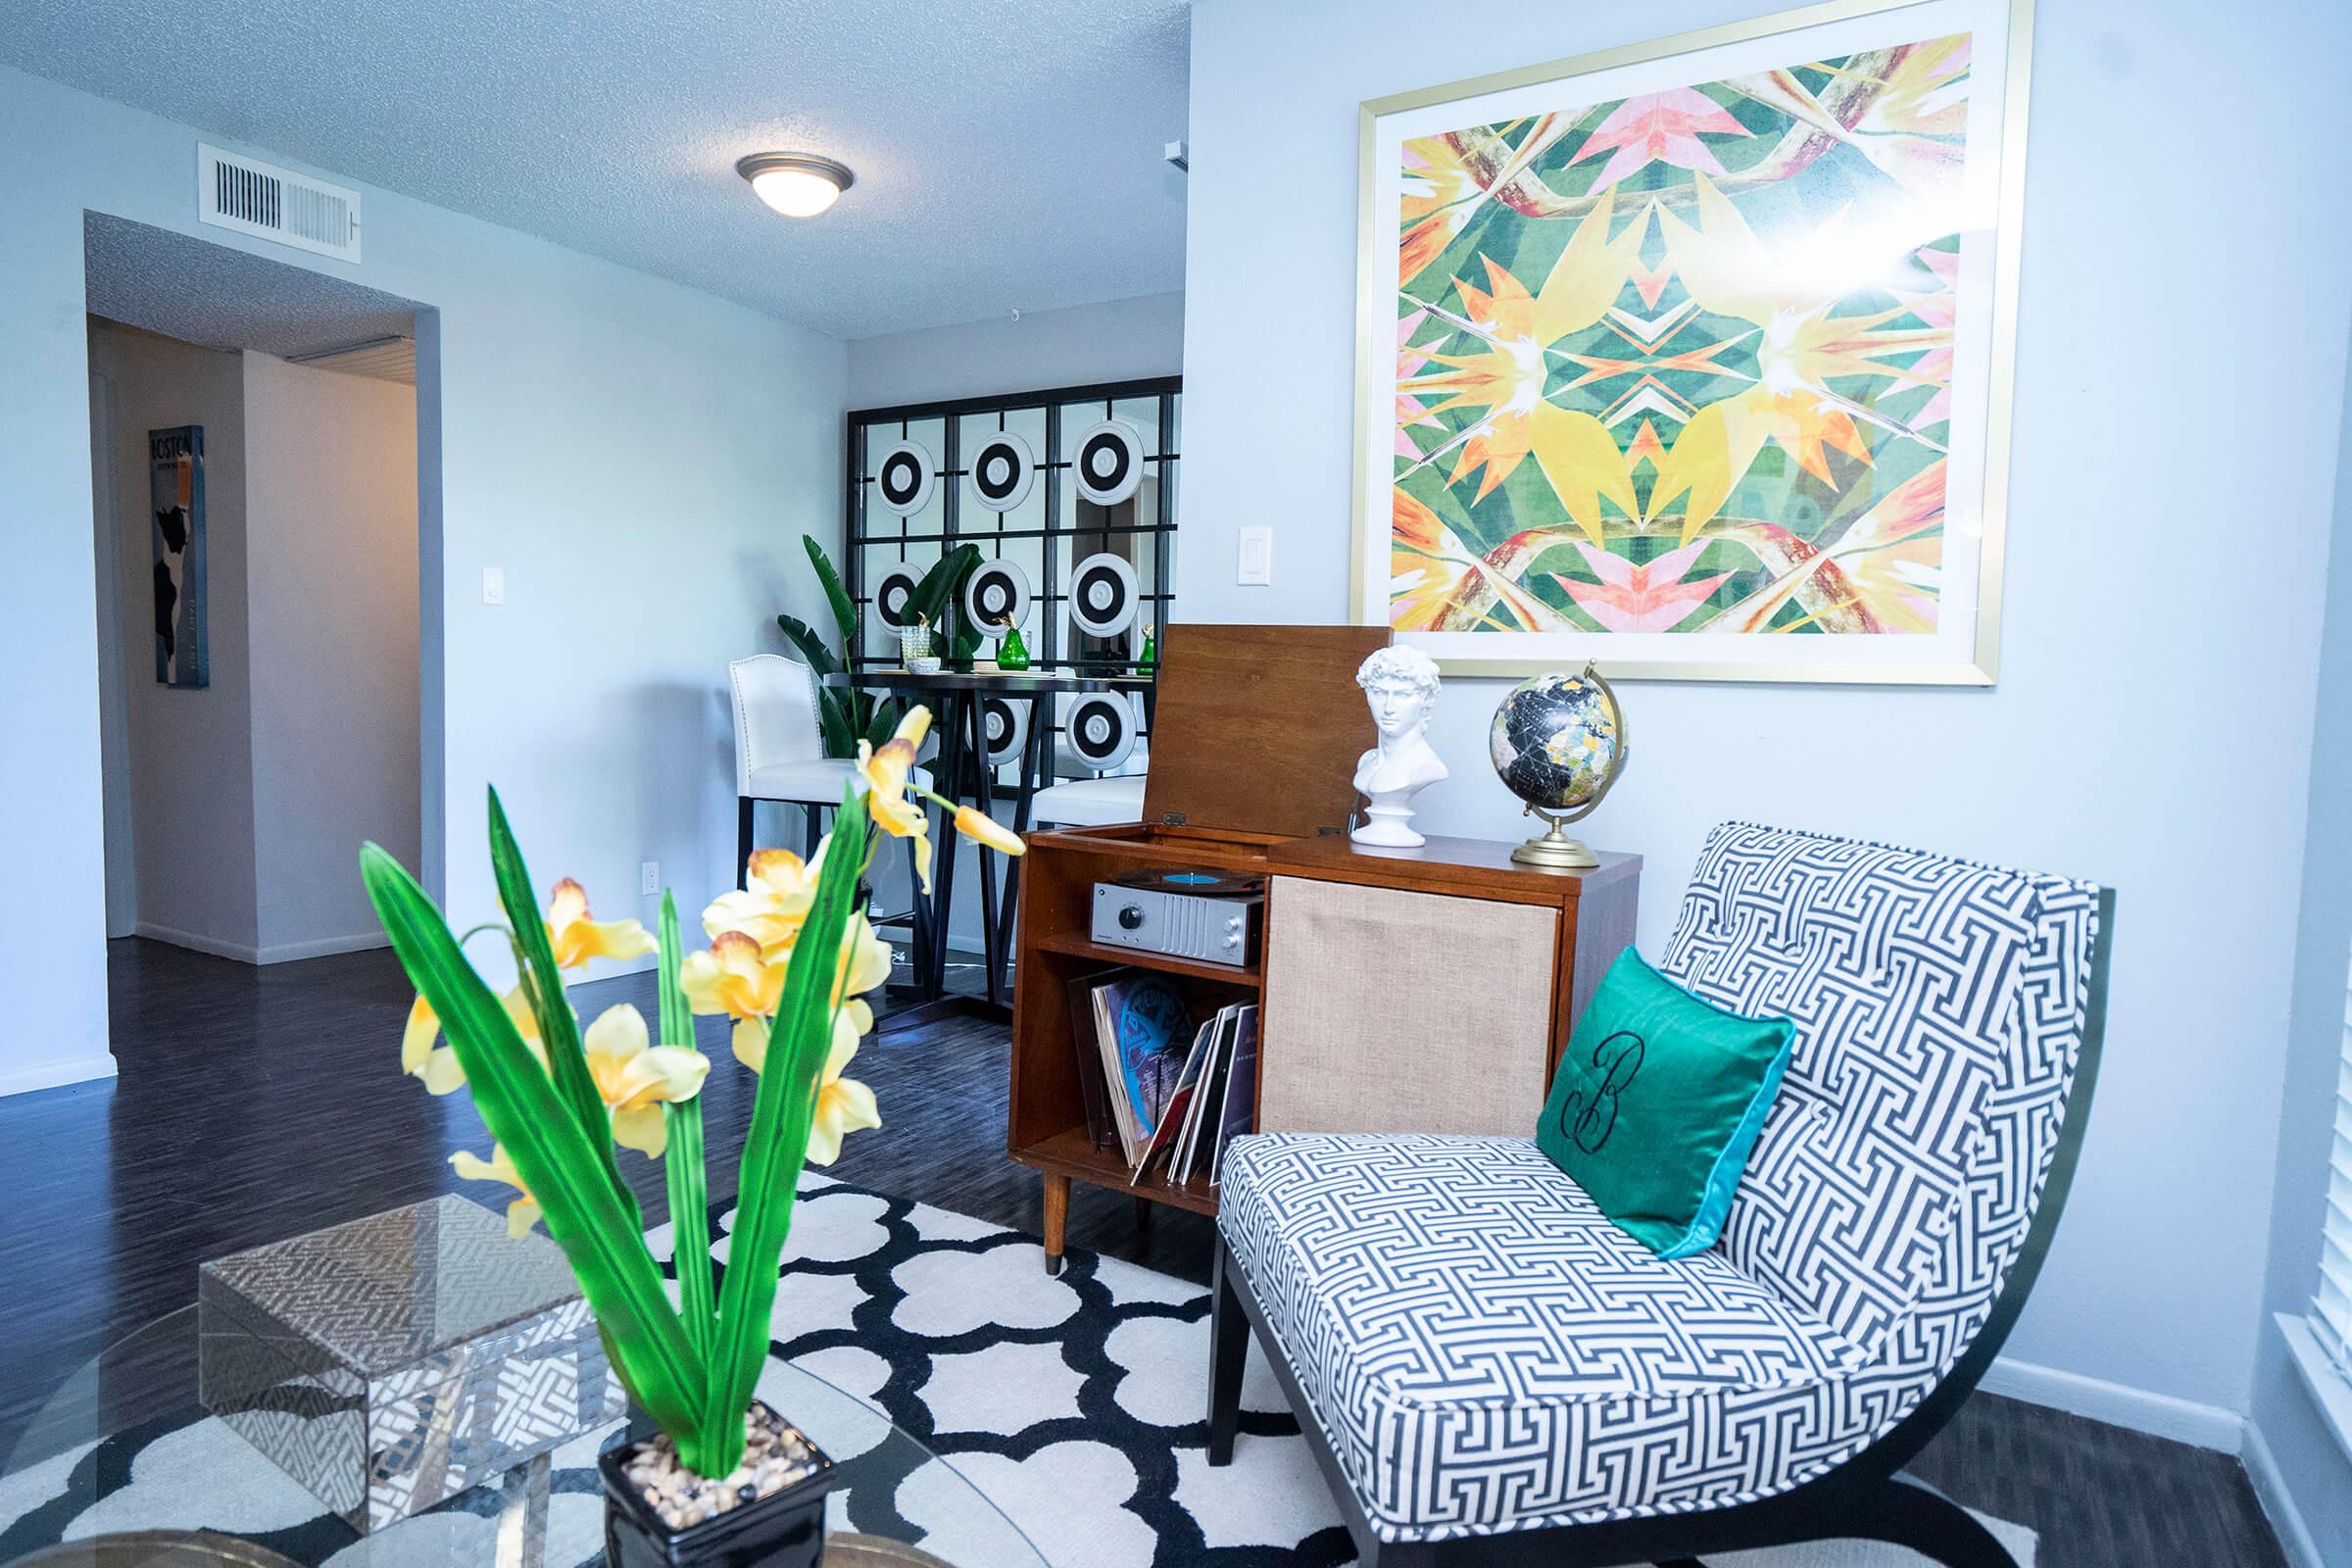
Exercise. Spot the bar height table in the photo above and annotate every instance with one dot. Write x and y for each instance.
(956, 700)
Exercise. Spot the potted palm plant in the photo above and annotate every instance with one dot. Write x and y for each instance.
(847, 714)
(727, 1478)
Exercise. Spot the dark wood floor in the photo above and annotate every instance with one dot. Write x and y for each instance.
(258, 1104)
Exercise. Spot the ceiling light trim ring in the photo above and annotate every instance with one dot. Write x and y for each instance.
(753, 165)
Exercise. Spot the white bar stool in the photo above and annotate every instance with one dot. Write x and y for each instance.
(780, 747)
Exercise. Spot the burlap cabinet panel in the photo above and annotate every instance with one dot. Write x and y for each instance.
(1394, 1011)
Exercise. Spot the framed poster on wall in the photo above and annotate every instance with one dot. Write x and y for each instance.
(1693, 357)
(175, 506)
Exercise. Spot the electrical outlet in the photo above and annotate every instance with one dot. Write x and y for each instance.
(494, 585)
(649, 878)
(1257, 566)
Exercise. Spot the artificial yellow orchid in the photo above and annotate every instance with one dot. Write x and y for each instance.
(885, 773)
(981, 828)
(523, 1212)
(637, 1078)
(843, 1105)
(865, 965)
(576, 938)
(437, 1064)
(692, 1356)
(772, 908)
(736, 979)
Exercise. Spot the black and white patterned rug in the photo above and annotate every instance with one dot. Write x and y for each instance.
(1073, 1404)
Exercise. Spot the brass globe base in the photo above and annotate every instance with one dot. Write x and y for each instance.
(1554, 850)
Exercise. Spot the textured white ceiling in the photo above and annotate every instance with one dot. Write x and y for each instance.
(1007, 152)
(223, 299)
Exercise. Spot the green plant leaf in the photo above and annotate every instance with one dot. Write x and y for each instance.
(689, 1188)
(937, 592)
(844, 613)
(558, 1163)
(884, 721)
(834, 722)
(777, 1147)
(813, 650)
(543, 983)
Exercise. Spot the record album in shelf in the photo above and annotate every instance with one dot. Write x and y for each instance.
(1167, 1072)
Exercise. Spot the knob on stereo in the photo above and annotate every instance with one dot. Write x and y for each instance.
(1130, 917)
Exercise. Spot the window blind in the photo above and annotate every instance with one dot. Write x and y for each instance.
(2331, 1312)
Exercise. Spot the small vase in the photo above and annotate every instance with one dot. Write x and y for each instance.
(786, 1528)
(1011, 651)
(1150, 651)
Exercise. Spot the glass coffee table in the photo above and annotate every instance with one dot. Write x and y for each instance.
(124, 1468)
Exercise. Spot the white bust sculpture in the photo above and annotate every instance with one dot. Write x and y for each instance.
(1400, 684)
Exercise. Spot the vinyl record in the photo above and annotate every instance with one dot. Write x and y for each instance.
(1103, 595)
(905, 477)
(1001, 471)
(1197, 884)
(891, 591)
(1098, 729)
(1109, 463)
(996, 591)
(1004, 727)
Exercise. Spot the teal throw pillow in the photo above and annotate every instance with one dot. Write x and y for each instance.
(1657, 1104)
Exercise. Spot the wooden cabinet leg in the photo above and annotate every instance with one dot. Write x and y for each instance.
(1057, 1218)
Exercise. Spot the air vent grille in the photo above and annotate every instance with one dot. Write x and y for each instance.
(276, 204)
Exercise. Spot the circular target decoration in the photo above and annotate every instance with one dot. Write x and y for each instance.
(1110, 461)
(905, 478)
(1002, 729)
(1100, 730)
(892, 592)
(996, 592)
(1003, 470)
(1103, 595)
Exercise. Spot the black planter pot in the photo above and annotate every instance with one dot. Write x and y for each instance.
(786, 1528)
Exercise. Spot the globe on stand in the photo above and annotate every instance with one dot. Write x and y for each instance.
(1558, 743)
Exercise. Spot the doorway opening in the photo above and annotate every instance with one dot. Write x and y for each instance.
(255, 466)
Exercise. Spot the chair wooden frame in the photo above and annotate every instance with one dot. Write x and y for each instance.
(1868, 1497)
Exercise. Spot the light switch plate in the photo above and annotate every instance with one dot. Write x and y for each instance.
(1256, 563)
(494, 585)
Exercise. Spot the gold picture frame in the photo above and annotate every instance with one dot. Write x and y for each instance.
(1962, 646)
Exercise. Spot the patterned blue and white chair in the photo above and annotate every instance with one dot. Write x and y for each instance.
(1493, 1373)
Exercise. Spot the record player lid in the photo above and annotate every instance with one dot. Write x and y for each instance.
(1257, 729)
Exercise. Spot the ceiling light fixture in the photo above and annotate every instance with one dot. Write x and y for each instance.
(796, 184)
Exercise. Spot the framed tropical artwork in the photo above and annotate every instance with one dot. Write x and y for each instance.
(1693, 358)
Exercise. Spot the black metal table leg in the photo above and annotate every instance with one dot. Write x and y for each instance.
(943, 842)
(1025, 794)
(984, 792)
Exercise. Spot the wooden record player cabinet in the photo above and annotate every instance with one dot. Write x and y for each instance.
(1402, 1000)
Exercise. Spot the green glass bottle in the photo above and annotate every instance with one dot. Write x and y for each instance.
(1151, 651)
(1011, 651)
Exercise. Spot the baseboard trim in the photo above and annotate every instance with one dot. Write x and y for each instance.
(57, 1074)
(2206, 1426)
(197, 942)
(2277, 1501)
(323, 947)
(247, 952)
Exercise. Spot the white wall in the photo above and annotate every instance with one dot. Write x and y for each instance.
(190, 750)
(2152, 724)
(2298, 1463)
(634, 454)
(330, 508)
(1116, 340)
(113, 677)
